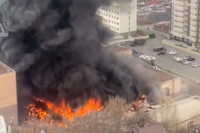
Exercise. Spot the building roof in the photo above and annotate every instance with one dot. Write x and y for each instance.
(186, 110)
(4, 69)
(163, 76)
(117, 48)
(160, 75)
(153, 129)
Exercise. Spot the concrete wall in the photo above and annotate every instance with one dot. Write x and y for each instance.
(127, 53)
(24, 129)
(8, 96)
(173, 85)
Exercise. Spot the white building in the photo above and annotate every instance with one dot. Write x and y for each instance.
(120, 16)
(185, 21)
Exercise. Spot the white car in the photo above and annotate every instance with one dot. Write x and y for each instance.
(185, 62)
(178, 59)
(143, 57)
(171, 52)
(151, 58)
(195, 65)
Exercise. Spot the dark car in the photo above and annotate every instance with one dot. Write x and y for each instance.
(162, 53)
(159, 49)
(191, 59)
(138, 42)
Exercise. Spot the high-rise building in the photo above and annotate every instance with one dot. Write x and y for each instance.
(120, 16)
(4, 5)
(8, 95)
(185, 18)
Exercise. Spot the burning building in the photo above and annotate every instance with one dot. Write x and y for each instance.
(8, 94)
(55, 48)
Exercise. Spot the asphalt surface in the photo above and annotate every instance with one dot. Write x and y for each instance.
(166, 62)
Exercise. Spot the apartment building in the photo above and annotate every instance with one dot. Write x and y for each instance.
(4, 5)
(120, 16)
(185, 24)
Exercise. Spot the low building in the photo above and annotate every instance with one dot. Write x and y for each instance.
(8, 94)
(169, 82)
(153, 129)
(186, 110)
(120, 50)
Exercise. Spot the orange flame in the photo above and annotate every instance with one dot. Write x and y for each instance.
(63, 110)
(137, 103)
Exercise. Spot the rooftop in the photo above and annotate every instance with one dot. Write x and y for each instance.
(153, 129)
(164, 76)
(116, 48)
(4, 69)
(186, 109)
(160, 75)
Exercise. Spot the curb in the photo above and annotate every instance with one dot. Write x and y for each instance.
(183, 48)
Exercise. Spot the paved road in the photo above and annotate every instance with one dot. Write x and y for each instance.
(166, 62)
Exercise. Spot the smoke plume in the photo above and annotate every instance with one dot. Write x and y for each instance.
(55, 47)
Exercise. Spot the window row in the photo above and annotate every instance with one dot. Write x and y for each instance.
(113, 22)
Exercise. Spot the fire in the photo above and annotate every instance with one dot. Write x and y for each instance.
(44, 110)
(137, 103)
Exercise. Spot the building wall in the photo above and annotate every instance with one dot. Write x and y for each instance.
(173, 85)
(185, 21)
(120, 17)
(127, 53)
(4, 5)
(8, 96)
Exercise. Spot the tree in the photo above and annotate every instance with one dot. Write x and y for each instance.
(167, 114)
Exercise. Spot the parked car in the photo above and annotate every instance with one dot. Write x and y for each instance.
(159, 49)
(191, 59)
(161, 53)
(138, 42)
(195, 65)
(185, 62)
(171, 52)
(176, 58)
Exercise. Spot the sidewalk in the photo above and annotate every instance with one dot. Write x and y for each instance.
(151, 29)
(177, 45)
(127, 40)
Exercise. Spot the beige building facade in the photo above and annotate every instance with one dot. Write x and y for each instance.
(120, 16)
(185, 18)
(172, 86)
(8, 94)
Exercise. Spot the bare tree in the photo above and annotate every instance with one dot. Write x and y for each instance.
(167, 114)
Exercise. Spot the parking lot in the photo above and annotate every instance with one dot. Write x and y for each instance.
(166, 61)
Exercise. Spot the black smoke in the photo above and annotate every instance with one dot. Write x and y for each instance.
(55, 47)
